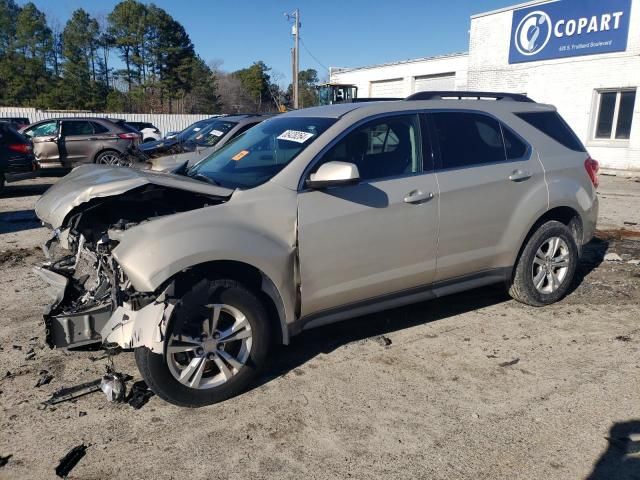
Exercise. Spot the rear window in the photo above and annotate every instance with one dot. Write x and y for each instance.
(552, 125)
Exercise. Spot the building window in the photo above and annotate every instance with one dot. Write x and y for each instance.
(615, 113)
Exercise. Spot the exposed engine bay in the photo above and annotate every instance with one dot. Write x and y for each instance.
(87, 283)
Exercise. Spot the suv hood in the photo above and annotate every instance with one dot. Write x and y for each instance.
(87, 182)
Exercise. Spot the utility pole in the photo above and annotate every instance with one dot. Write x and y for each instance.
(295, 53)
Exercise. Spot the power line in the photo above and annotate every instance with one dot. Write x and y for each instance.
(312, 55)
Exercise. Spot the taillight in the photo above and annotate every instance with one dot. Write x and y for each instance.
(20, 147)
(592, 167)
(128, 136)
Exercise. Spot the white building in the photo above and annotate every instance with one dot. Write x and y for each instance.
(583, 56)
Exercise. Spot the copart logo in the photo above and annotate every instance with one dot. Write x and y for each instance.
(533, 33)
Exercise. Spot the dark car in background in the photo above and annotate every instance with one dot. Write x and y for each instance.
(66, 142)
(207, 140)
(17, 161)
(203, 135)
(16, 122)
(149, 131)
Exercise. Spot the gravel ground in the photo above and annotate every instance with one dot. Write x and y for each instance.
(466, 387)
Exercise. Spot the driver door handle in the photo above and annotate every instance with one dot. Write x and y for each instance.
(519, 176)
(416, 196)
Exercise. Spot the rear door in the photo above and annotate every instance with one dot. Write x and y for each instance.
(77, 142)
(490, 181)
(379, 236)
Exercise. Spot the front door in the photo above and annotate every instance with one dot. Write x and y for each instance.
(45, 143)
(377, 237)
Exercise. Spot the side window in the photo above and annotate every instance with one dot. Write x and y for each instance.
(97, 128)
(468, 139)
(513, 146)
(46, 129)
(76, 127)
(382, 148)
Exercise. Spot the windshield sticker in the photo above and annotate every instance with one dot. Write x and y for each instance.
(295, 136)
(216, 133)
(240, 155)
(197, 129)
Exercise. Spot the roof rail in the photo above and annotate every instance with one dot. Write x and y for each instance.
(459, 95)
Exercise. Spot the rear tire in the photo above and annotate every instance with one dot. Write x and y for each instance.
(195, 369)
(546, 267)
(108, 157)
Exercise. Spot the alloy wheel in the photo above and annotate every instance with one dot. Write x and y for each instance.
(550, 265)
(218, 354)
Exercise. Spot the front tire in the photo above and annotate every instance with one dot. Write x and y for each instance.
(546, 266)
(216, 344)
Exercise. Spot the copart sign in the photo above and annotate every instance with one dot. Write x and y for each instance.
(568, 28)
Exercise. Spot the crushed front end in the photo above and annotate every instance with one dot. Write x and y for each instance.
(93, 301)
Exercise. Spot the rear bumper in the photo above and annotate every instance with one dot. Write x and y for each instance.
(16, 177)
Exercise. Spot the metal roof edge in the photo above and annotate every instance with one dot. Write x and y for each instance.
(400, 62)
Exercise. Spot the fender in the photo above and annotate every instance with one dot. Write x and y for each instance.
(244, 231)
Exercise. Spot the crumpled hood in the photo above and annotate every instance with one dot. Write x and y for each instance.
(95, 181)
(170, 162)
(162, 143)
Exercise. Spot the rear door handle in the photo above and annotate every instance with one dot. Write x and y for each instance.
(519, 176)
(417, 196)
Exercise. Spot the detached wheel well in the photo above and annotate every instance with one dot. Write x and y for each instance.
(245, 274)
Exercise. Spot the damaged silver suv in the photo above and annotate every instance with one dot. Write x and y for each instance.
(312, 217)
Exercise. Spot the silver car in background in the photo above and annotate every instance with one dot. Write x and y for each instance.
(312, 217)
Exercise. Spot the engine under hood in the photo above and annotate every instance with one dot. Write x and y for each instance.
(89, 182)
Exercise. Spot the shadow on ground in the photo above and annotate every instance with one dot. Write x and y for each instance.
(15, 190)
(325, 339)
(621, 460)
(18, 221)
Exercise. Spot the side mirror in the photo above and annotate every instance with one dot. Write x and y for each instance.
(333, 174)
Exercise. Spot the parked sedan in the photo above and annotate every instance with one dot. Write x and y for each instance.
(205, 133)
(16, 156)
(66, 142)
(150, 133)
(206, 141)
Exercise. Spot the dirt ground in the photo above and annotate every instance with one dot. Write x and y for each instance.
(472, 386)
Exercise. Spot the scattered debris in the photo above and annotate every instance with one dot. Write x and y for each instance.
(81, 413)
(508, 364)
(31, 354)
(612, 257)
(113, 386)
(95, 359)
(623, 338)
(4, 460)
(384, 341)
(139, 395)
(492, 356)
(17, 347)
(70, 460)
(634, 262)
(45, 378)
(631, 224)
(71, 393)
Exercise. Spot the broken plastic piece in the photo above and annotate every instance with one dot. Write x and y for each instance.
(45, 378)
(4, 460)
(140, 395)
(70, 460)
(71, 393)
(112, 384)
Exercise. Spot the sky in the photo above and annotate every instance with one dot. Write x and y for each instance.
(338, 33)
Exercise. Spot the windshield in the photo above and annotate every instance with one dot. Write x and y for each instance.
(184, 135)
(211, 133)
(261, 152)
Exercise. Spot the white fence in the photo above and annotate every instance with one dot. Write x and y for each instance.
(164, 121)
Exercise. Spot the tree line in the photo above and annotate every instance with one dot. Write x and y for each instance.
(72, 67)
